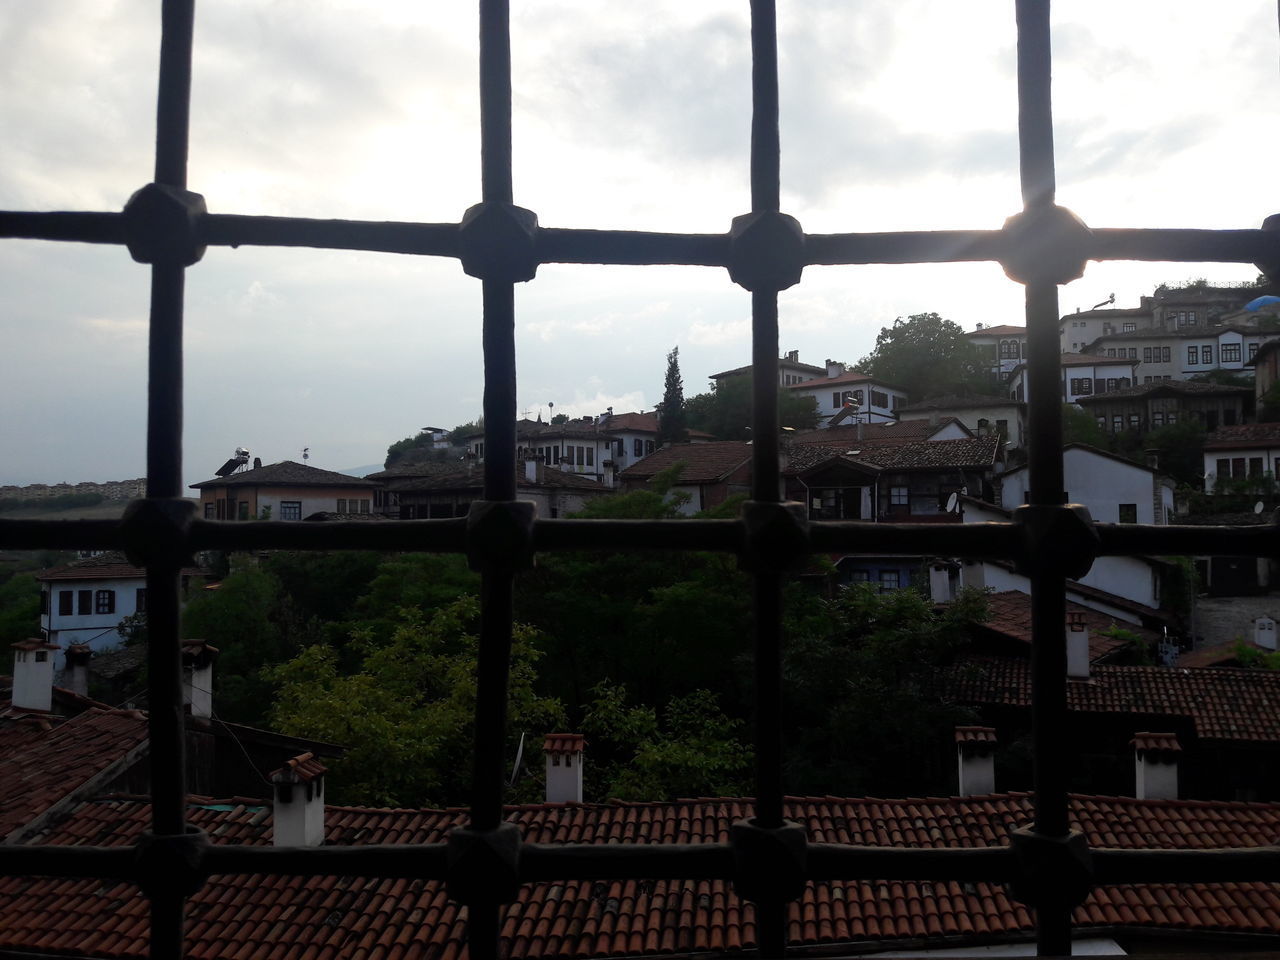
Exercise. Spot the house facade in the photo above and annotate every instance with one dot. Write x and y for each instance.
(1114, 489)
(84, 602)
(1150, 406)
(1004, 346)
(1244, 452)
(982, 415)
(555, 493)
(790, 370)
(1180, 354)
(283, 491)
(843, 394)
(710, 475)
(1082, 376)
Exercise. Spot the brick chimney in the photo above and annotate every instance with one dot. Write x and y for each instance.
(1077, 646)
(76, 676)
(33, 674)
(564, 767)
(976, 753)
(1264, 633)
(298, 810)
(1155, 759)
(197, 676)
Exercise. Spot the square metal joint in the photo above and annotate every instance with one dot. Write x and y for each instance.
(775, 536)
(484, 865)
(500, 535)
(766, 251)
(769, 863)
(169, 864)
(163, 225)
(1052, 871)
(498, 241)
(156, 532)
(1055, 540)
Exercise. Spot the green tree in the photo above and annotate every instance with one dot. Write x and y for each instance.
(671, 420)
(19, 609)
(928, 356)
(1080, 426)
(560, 418)
(1179, 449)
(690, 749)
(725, 412)
(405, 713)
(865, 705)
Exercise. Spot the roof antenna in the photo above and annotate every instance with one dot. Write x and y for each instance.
(1111, 299)
(306, 453)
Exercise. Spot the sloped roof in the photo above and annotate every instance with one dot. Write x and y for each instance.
(704, 462)
(848, 377)
(301, 918)
(1104, 314)
(1087, 360)
(952, 401)
(111, 565)
(782, 361)
(977, 452)
(1168, 388)
(1243, 435)
(1011, 616)
(1223, 703)
(898, 431)
(42, 760)
(1003, 330)
(286, 473)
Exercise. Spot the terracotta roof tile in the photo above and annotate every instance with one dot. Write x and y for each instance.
(295, 918)
(704, 462)
(1011, 616)
(1160, 744)
(41, 762)
(1223, 703)
(564, 743)
(287, 473)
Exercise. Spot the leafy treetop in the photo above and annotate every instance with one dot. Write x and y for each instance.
(927, 356)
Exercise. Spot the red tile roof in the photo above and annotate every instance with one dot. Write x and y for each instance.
(564, 743)
(1243, 435)
(44, 760)
(1162, 745)
(704, 462)
(296, 918)
(110, 565)
(982, 735)
(286, 473)
(849, 376)
(1223, 703)
(301, 769)
(1011, 616)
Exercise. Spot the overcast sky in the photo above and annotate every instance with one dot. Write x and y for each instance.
(896, 114)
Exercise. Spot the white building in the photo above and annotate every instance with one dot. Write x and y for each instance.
(842, 395)
(983, 416)
(84, 602)
(1182, 354)
(1004, 346)
(1082, 376)
(1249, 451)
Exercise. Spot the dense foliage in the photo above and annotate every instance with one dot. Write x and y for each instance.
(725, 412)
(928, 356)
(671, 422)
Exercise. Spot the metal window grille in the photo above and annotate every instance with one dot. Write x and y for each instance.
(166, 226)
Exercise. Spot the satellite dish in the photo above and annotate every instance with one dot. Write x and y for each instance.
(1258, 507)
(953, 501)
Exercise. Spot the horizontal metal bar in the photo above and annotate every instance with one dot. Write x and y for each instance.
(430, 239)
(567, 245)
(541, 862)
(994, 540)
(82, 227)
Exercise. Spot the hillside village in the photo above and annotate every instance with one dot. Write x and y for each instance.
(1176, 720)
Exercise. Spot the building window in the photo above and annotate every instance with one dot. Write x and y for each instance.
(290, 509)
(860, 576)
(1166, 354)
(835, 400)
(1117, 423)
(1081, 386)
(1223, 466)
(65, 601)
(1237, 467)
(879, 399)
(1206, 354)
(1191, 319)
(637, 448)
(104, 601)
(1128, 513)
(1253, 350)
(889, 580)
(1129, 327)
(1193, 355)
(1157, 418)
(648, 447)
(1229, 353)
(341, 507)
(44, 602)
(1134, 421)
(1002, 428)
(84, 602)
(140, 600)
(900, 498)
(208, 510)
(1146, 354)
(242, 510)
(1255, 466)
(1111, 351)
(582, 456)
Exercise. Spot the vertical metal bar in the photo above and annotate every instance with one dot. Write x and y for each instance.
(1044, 417)
(496, 595)
(771, 915)
(765, 145)
(495, 100)
(164, 472)
(1035, 104)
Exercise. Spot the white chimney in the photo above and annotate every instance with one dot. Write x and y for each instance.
(531, 470)
(76, 676)
(834, 369)
(1077, 646)
(298, 810)
(197, 676)
(1264, 633)
(564, 767)
(1155, 759)
(940, 582)
(976, 753)
(33, 675)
